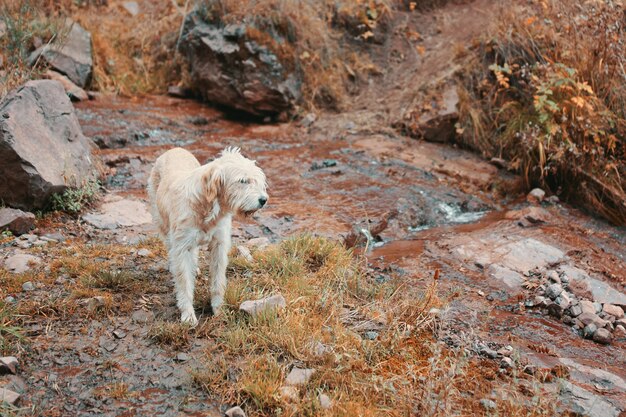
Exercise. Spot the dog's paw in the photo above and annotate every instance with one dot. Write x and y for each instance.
(189, 318)
(216, 305)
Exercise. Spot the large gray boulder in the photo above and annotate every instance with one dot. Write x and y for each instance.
(71, 54)
(42, 148)
(231, 69)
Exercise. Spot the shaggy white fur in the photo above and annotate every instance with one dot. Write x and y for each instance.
(193, 205)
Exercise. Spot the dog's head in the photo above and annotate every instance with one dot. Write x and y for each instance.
(239, 183)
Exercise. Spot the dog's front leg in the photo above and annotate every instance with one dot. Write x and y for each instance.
(184, 264)
(219, 248)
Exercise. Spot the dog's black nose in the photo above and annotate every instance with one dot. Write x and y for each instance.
(262, 201)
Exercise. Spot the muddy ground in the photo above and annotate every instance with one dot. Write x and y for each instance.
(343, 170)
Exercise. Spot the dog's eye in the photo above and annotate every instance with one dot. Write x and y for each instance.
(244, 181)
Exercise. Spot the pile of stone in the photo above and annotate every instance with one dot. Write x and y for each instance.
(592, 320)
(29, 240)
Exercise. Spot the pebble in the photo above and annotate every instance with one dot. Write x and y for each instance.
(536, 195)
(506, 363)
(141, 316)
(555, 310)
(613, 310)
(619, 332)
(182, 357)
(8, 396)
(244, 252)
(575, 311)
(299, 376)
(235, 412)
(490, 353)
(554, 291)
(434, 312)
(554, 277)
(597, 306)
(621, 322)
(8, 365)
(539, 301)
(371, 335)
(589, 330)
(325, 401)
(119, 334)
(487, 404)
(587, 307)
(602, 336)
(28, 286)
(587, 318)
(144, 253)
(9, 299)
(257, 307)
(505, 351)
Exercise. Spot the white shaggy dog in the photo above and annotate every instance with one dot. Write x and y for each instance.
(193, 205)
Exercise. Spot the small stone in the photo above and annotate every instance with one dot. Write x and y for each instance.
(141, 316)
(506, 351)
(490, 353)
(602, 336)
(506, 363)
(555, 310)
(371, 335)
(308, 120)
(8, 365)
(244, 252)
(554, 290)
(567, 320)
(434, 312)
(144, 253)
(256, 307)
(94, 303)
(9, 299)
(613, 310)
(20, 262)
(17, 221)
(620, 332)
(536, 196)
(587, 318)
(289, 393)
(621, 322)
(564, 279)
(235, 412)
(597, 306)
(530, 369)
(132, 7)
(539, 301)
(325, 401)
(553, 199)
(564, 300)
(28, 286)
(481, 293)
(587, 307)
(119, 334)
(8, 396)
(299, 376)
(182, 357)
(589, 330)
(488, 404)
(258, 243)
(554, 277)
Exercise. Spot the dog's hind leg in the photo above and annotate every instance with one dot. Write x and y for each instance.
(183, 265)
(218, 260)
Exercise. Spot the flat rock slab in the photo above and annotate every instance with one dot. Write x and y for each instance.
(119, 212)
(20, 262)
(8, 396)
(586, 403)
(257, 307)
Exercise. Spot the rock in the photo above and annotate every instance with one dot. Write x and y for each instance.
(142, 317)
(529, 216)
(605, 294)
(179, 92)
(20, 262)
(487, 404)
(554, 277)
(28, 286)
(613, 310)
(575, 311)
(536, 196)
(119, 334)
(308, 120)
(598, 307)
(540, 301)
(512, 279)
(245, 253)
(364, 234)
(371, 335)
(326, 163)
(229, 68)
(73, 91)
(621, 322)
(9, 299)
(602, 336)
(16, 221)
(563, 300)
(490, 353)
(438, 125)
(553, 199)
(506, 351)
(554, 290)
(94, 303)
(8, 396)
(257, 307)
(258, 243)
(589, 330)
(587, 307)
(144, 253)
(39, 116)
(299, 376)
(289, 393)
(118, 212)
(586, 403)
(506, 363)
(587, 318)
(71, 56)
(499, 163)
(132, 7)
(619, 332)
(325, 401)
(235, 412)
(555, 310)
(320, 349)
(182, 357)
(8, 365)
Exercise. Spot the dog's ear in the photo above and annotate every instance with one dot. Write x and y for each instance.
(212, 184)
